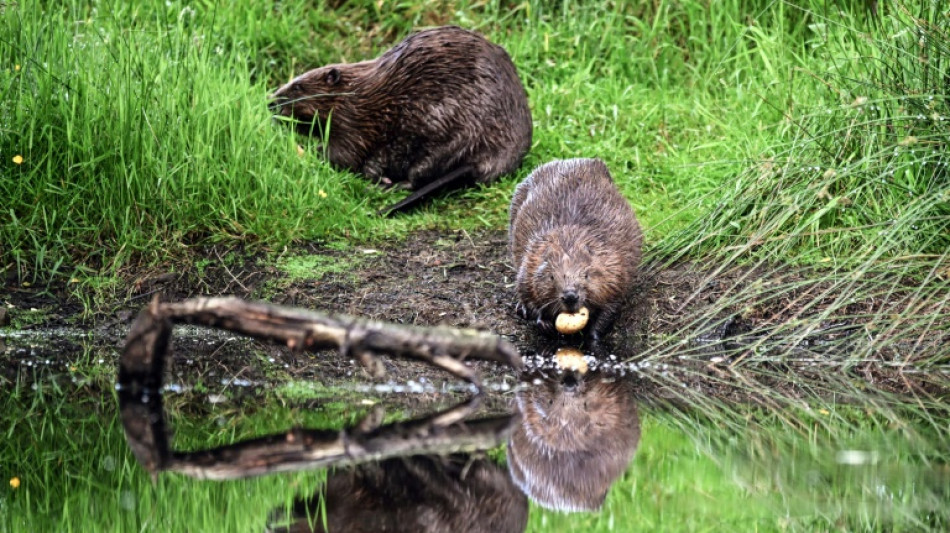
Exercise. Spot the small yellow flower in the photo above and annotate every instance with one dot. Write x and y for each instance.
(15, 482)
(18, 159)
(322, 194)
(16, 68)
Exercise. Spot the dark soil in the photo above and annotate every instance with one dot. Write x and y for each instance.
(466, 280)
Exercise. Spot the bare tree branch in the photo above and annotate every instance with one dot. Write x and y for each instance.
(300, 329)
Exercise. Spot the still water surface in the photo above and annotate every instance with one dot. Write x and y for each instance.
(595, 445)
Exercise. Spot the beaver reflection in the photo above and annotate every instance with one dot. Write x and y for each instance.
(578, 432)
(423, 493)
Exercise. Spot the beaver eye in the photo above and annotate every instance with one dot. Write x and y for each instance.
(587, 275)
(333, 76)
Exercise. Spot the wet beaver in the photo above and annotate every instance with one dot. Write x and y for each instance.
(443, 107)
(575, 243)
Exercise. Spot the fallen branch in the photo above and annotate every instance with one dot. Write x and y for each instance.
(300, 329)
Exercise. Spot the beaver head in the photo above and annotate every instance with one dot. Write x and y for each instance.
(570, 268)
(311, 98)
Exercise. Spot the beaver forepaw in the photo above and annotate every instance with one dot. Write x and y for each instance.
(546, 326)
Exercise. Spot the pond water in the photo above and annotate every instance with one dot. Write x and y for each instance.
(570, 444)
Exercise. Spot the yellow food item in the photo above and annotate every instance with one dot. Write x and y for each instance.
(568, 323)
(571, 359)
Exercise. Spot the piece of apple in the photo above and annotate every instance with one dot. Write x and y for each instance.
(569, 323)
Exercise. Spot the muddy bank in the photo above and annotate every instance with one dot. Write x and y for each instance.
(675, 328)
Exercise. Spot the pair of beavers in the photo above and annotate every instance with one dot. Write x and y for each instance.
(445, 107)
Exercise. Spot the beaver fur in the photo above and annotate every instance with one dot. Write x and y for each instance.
(575, 242)
(443, 108)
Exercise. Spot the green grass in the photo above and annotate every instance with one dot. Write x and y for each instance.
(24, 318)
(862, 172)
(315, 266)
(800, 138)
(144, 129)
(848, 218)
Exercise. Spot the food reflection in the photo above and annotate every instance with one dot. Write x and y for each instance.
(425, 493)
(577, 434)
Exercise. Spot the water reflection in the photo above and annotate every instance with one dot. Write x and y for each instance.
(421, 475)
(446, 432)
(577, 430)
(577, 433)
(425, 493)
(572, 433)
(756, 468)
(415, 475)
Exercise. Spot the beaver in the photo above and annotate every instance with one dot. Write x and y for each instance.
(575, 243)
(444, 107)
(577, 434)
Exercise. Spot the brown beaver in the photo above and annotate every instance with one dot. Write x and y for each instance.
(444, 106)
(574, 241)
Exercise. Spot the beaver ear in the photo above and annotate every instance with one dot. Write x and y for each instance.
(333, 76)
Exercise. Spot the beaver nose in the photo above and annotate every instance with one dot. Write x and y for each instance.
(277, 100)
(569, 298)
(570, 382)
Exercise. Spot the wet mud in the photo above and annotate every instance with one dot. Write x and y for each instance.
(462, 280)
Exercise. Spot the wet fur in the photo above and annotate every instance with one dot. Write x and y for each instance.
(570, 228)
(441, 100)
(573, 443)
